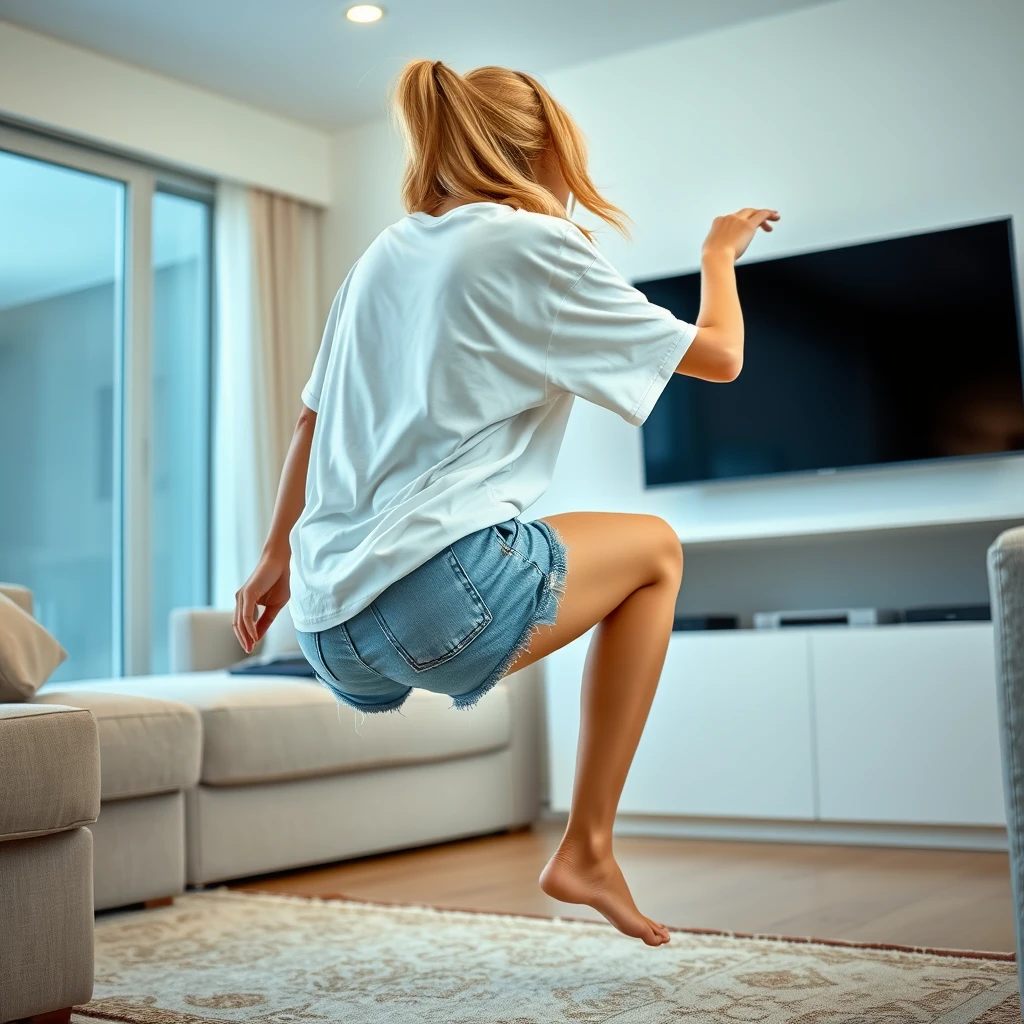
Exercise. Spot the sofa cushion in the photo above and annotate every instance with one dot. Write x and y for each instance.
(147, 744)
(265, 728)
(29, 655)
(49, 769)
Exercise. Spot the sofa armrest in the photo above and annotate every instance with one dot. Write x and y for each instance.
(49, 770)
(1006, 588)
(202, 640)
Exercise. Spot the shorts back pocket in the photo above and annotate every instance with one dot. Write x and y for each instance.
(433, 613)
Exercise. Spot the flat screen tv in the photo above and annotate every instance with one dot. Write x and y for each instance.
(892, 351)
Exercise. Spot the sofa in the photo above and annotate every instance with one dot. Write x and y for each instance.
(50, 787)
(204, 776)
(273, 774)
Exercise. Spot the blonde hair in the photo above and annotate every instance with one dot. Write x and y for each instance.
(474, 137)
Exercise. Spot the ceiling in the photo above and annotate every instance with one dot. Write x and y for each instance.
(304, 60)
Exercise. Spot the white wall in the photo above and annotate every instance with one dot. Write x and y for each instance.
(49, 83)
(857, 119)
(366, 176)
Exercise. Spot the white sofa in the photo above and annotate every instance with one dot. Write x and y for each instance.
(207, 776)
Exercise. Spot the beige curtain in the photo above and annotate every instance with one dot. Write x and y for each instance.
(268, 319)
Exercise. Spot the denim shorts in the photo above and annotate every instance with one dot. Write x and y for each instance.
(454, 625)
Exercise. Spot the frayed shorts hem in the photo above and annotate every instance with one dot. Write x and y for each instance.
(546, 615)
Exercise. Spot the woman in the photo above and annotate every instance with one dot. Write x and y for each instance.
(433, 418)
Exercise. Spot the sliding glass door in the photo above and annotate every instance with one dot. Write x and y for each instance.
(104, 398)
(180, 495)
(61, 291)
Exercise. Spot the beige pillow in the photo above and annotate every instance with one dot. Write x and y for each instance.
(29, 655)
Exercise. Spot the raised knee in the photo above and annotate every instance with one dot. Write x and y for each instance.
(666, 549)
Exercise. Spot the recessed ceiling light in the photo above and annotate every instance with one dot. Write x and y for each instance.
(364, 14)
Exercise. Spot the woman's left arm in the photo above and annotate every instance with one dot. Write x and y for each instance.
(267, 587)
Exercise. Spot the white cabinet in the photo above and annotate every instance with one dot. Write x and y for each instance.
(891, 725)
(905, 721)
(729, 733)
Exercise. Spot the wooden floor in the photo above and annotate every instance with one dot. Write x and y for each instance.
(939, 898)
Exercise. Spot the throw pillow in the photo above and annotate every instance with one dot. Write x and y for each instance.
(28, 653)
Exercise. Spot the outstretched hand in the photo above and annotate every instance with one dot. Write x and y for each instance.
(266, 588)
(735, 231)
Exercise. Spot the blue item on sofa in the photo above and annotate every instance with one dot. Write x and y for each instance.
(274, 665)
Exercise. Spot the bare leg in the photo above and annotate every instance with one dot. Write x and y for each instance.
(624, 575)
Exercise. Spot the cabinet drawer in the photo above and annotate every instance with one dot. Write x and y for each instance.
(729, 734)
(906, 725)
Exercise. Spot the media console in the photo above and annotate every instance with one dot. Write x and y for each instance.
(885, 727)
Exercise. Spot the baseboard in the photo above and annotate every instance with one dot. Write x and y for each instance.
(826, 832)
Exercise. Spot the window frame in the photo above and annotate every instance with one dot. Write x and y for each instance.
(131, 641)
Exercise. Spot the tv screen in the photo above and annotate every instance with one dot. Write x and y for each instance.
(885, 352)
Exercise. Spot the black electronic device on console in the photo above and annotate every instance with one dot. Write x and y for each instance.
(949, 613)
(692, 623)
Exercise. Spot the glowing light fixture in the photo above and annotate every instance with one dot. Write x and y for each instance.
(364, 14)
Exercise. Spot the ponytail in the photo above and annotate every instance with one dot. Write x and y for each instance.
(474, 137)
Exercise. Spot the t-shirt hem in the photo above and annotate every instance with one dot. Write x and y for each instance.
(309, 400)
(327, 621)
(342, 613)
(663, 375)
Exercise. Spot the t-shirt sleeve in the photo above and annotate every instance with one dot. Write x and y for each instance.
(608, 344)
(311, 392)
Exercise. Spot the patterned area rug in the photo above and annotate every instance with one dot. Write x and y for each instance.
(229, 956)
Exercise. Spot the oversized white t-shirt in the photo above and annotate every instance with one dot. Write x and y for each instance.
(448, 367)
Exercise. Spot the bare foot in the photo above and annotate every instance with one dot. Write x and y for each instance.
(579, 876)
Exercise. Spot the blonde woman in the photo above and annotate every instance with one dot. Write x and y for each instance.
(432, 420)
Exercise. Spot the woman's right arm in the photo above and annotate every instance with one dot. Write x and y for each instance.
(716, 353)
(268, 586)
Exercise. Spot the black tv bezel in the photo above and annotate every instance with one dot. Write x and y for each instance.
(865, 467)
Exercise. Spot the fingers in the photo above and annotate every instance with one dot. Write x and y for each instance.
(265, 619)
(258, 601)
(249, 629)
(244, 619)
(235, 619)
(248, 618)
(758, 215)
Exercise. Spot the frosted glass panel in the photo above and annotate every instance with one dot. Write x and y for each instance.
(61, 274)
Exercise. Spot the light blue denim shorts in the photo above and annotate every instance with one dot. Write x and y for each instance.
(454, 625)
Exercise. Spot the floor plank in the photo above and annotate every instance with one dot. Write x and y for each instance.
(942, 898)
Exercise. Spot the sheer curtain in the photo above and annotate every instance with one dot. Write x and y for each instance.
(268, 330)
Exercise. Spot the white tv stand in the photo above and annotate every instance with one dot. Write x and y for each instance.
(883, 734)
